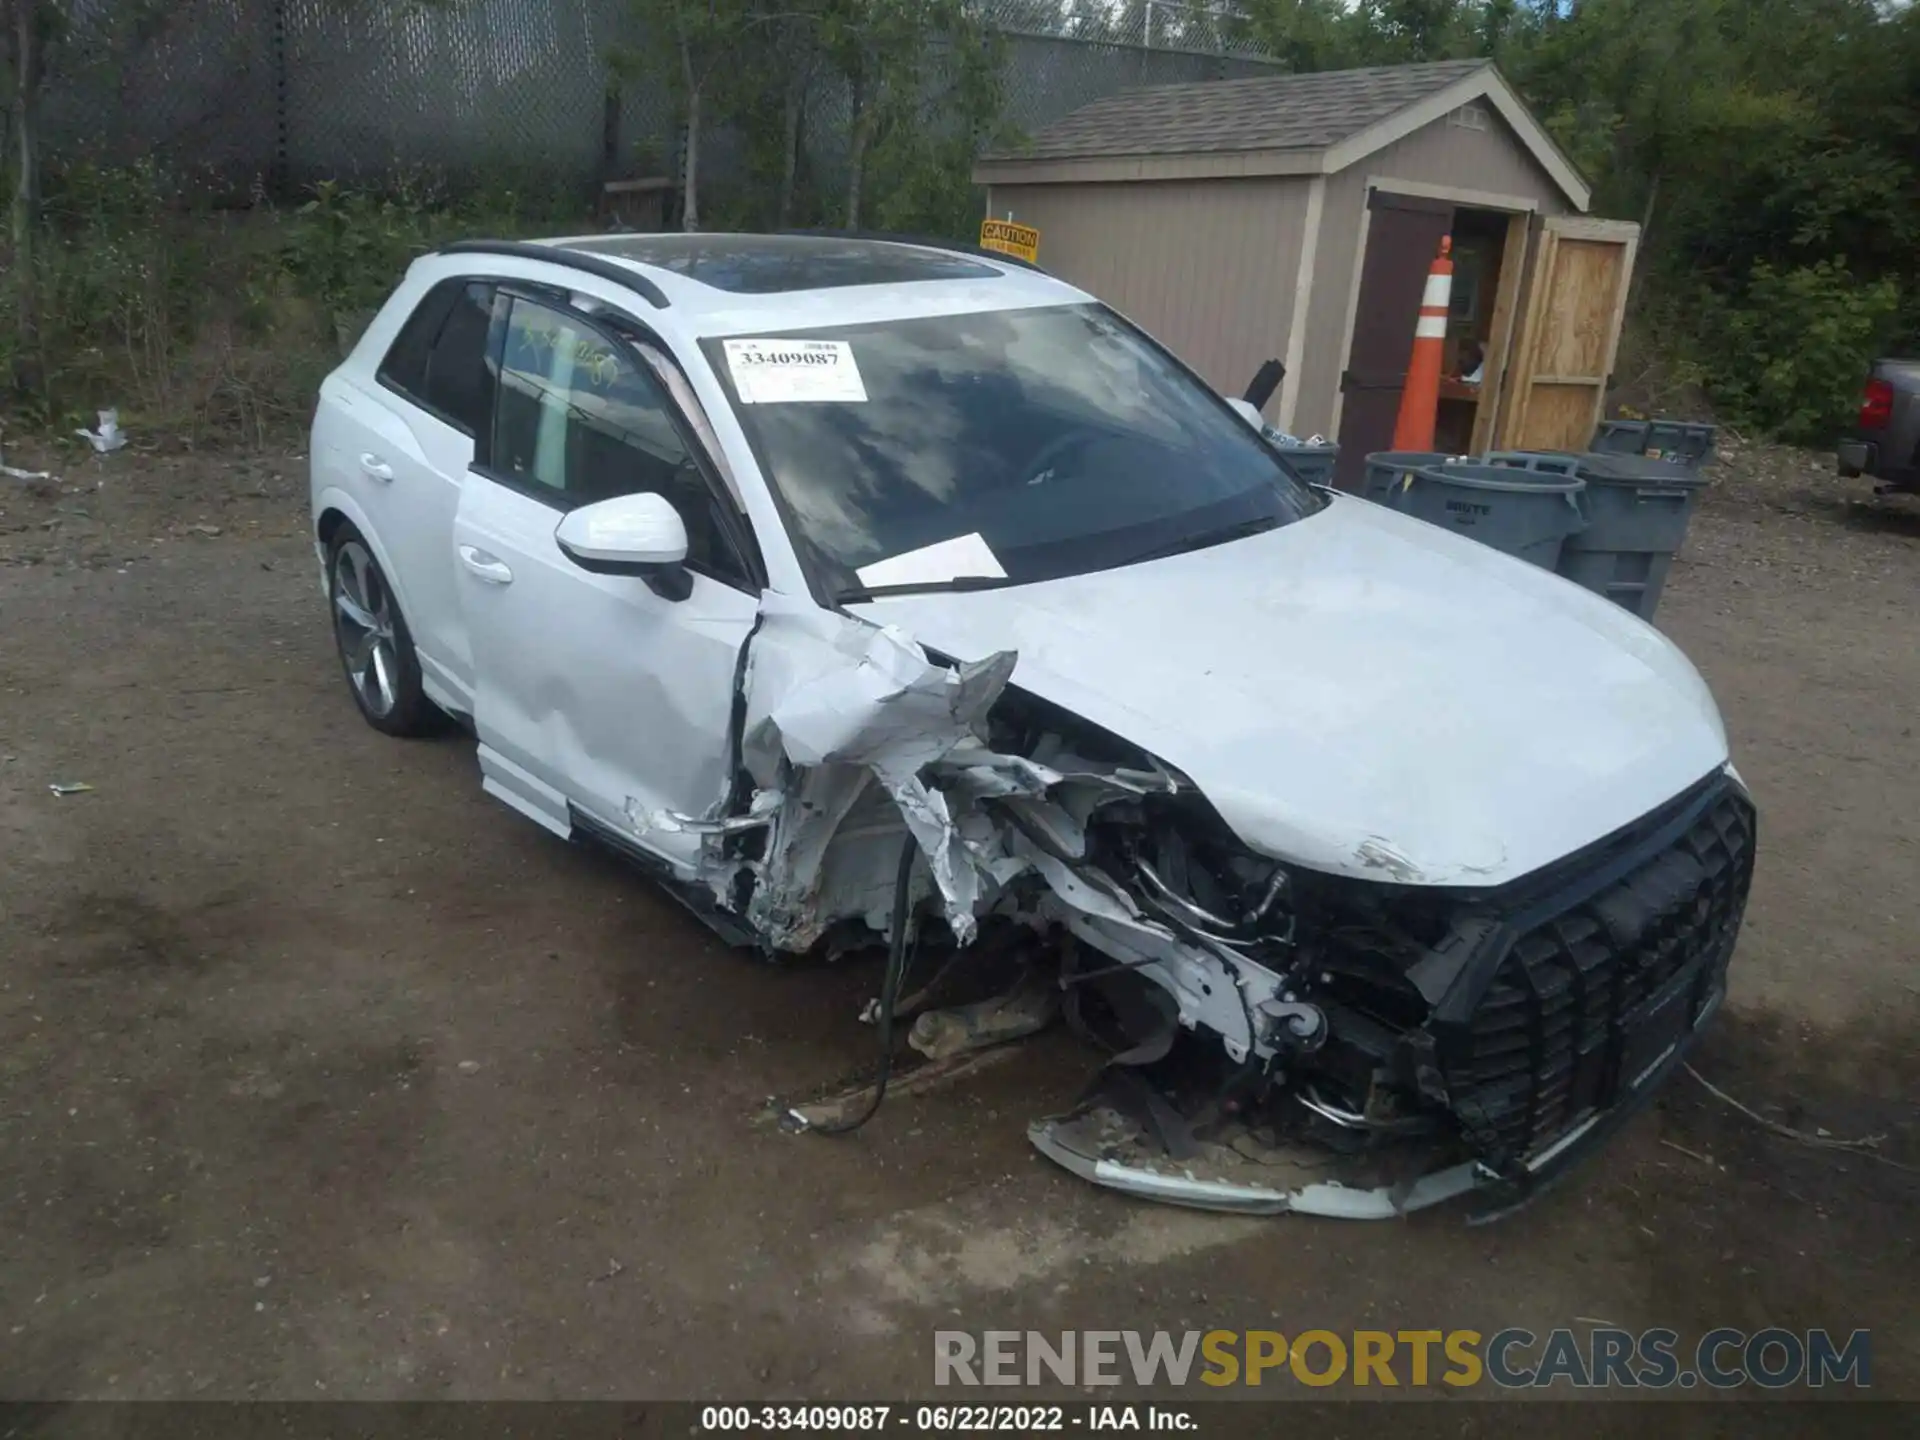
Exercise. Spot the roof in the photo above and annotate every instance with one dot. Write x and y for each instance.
(782, 264)
(1316, 123)
(701, 285)
(1268, 112)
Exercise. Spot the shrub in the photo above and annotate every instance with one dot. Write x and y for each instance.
(1787, 356)
(116, 293)
(215, 323)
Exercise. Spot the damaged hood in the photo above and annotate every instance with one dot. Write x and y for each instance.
(1362, 693)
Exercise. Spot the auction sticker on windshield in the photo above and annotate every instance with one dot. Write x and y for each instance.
(785, 372)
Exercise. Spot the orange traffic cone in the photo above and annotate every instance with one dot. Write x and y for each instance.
(1421, 398)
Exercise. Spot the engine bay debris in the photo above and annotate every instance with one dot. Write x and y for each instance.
(1373, 1045)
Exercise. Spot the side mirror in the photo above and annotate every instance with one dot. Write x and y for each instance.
(640, 535)
(1250, 413)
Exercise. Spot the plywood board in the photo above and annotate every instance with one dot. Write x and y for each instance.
(1506, 305)
(1570, 334)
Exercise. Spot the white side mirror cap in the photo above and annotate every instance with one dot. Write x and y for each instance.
(625, 534)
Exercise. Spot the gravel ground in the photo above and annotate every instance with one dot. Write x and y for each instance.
(321, 1075)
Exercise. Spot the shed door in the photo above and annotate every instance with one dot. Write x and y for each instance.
(1403, 236)
(1576, 299)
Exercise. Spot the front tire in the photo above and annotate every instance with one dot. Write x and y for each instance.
(375, 646)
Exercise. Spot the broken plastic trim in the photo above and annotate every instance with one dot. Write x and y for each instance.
(846, 733)
(1321, 1197)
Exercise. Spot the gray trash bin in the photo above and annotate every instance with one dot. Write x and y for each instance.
(1682, 441)
(1312, 463)
(1524, 513)
(1388, 469)
(1637, 512)
(1550, 462)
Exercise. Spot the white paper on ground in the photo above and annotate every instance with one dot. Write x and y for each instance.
(776, 372)
(930, 564)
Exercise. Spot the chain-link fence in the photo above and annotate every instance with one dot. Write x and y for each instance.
(1047, 78)
(301, 89)
(194, 87)
(1204, 27)
(285, 92)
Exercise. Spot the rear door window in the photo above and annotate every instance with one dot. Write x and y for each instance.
(439, 359)
(405, 367)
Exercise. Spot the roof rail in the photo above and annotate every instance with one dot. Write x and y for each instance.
(926, 242)
(579, 260)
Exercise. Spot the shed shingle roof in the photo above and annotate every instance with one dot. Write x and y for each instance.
(1268, 112)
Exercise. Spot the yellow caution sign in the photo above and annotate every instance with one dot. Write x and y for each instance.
(1020, 241)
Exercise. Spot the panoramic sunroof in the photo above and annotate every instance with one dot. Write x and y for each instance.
(775, 264)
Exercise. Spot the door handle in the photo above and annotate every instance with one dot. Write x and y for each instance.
(376, 467)
(494, 572)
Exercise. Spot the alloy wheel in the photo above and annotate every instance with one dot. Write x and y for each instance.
(363, 623)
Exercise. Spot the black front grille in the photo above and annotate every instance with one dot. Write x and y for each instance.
(1582, 1004)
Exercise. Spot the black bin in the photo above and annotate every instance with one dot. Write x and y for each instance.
(1681, 441)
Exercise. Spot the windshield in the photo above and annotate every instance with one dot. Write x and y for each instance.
(1005, 447)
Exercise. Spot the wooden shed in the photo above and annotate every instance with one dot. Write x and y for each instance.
(1294, 217)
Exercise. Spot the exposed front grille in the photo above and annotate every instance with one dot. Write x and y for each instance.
(1586, 1002)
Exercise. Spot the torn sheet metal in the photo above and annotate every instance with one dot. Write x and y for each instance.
(758, 815)
(851, 732)
(870, 697)
(832, 701)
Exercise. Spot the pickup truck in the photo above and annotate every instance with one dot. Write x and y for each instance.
(1885, 442)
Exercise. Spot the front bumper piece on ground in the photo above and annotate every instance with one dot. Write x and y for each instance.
(1098, 1143)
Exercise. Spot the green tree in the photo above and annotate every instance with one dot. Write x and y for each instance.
(923, 166)
(893, 56)
(1411, 31)
(687, 42)
(1789, 350)
(1770, 150)
(1738, 130)
(29, 29)
(1306, 35)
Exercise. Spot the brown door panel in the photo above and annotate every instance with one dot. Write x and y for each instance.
(1403, 236)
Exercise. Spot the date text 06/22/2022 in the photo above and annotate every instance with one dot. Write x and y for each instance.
(945, 1419)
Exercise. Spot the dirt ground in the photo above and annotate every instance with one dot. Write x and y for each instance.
(322, 1075)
